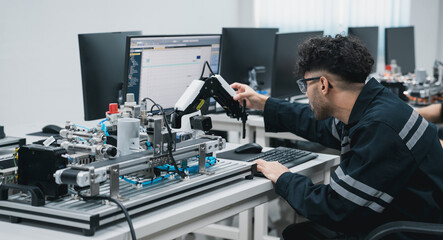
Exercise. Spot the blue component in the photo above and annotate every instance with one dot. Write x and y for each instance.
(155, 180)
(128, 180)
(104, 120)
(193, 169)
(182, 136)
(210, 161)
(105, 129)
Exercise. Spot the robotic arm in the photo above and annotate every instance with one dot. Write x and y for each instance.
(200, 90)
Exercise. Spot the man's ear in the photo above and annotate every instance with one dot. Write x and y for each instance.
(324, 85)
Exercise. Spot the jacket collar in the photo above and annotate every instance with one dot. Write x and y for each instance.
(367, 94)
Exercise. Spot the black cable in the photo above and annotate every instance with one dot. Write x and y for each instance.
(128, 218)
(181, 173)
(160, 108)
(154, 104)
(244, 117)
(152, 107)
(210, 69)
(203, 71)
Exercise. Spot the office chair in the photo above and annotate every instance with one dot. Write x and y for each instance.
(405, 226)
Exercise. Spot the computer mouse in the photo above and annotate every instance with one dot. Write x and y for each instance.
(249, 148)
(52, 129)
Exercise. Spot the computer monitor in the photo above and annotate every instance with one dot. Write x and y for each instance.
(102, 61)
(285, 75)
(245, 49)
(399, 45)
(369, 37)
(162, 67)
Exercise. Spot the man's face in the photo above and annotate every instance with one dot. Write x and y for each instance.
(317, 100)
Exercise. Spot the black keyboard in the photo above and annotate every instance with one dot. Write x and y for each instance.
(289, 157)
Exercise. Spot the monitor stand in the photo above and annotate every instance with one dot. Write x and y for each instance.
(253, 83)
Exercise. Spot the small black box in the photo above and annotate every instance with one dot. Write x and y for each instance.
(397, 88)
(203, 123)
(2, 132)
(36, 166)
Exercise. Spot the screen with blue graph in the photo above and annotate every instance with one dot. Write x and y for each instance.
(161, 67)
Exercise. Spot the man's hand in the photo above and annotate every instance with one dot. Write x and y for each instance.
(271, 170)
(253, 99)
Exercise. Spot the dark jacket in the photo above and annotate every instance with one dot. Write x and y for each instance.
(391, 163)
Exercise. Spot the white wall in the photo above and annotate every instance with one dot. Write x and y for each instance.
(40, 78)
(425, 15)
(440, 33)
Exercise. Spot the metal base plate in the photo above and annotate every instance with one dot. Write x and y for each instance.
(90, 215)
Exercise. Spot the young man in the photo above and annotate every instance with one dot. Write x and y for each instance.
(391, 159)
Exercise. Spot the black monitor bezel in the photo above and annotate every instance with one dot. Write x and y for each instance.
(274, 73)
(374, 67)
(86, 103)
(387, 61)
(246, 29)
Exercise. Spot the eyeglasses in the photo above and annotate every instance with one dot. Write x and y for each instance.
(303, 85)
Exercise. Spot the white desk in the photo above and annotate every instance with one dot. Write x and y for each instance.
(234, 127)
(254, 126)
(193, 214)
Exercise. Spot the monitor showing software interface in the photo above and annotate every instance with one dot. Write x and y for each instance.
(162, 67)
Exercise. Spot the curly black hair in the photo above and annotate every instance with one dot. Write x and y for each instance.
(344, 56)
